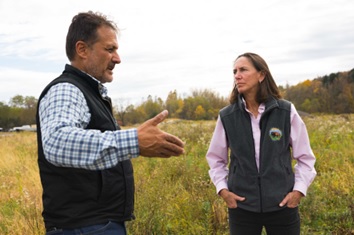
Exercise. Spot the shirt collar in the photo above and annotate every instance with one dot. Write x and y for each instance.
(261, 107)
(102, 89)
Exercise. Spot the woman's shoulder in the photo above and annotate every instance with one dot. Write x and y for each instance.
(228, 109)
(285, 104)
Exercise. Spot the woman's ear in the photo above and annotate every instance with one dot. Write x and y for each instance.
(262, 76)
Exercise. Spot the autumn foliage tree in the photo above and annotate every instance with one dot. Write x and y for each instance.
(331, 94)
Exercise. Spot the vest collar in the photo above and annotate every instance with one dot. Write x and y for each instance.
(269, 104)
(93, 82)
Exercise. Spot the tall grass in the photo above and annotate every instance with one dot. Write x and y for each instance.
(20, 191)
(329, 207)
(176, 196)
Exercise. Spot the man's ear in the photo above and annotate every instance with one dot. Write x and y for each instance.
(81, 49)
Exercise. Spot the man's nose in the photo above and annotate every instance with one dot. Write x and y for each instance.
(116, 58)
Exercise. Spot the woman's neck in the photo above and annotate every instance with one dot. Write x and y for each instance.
(252, 105)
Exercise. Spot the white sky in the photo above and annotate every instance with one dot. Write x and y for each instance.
(178, 45)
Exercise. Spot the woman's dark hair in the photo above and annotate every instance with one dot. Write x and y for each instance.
(84, 28)
(267, 88)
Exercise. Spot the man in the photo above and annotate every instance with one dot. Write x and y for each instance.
(83, 156)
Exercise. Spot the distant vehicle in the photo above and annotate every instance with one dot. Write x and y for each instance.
(22, 128)
(1, 129)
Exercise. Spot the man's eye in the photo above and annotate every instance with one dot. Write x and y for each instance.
(110, 49)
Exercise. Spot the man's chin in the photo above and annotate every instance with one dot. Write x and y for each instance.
(107, 79)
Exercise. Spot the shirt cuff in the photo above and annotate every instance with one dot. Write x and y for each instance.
(221, 186)
(135, 144)
(127, 141)
(301, 187)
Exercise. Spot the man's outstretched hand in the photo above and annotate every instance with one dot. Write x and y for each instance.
(156, 143)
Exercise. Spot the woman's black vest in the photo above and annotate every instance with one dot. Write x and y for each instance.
(74, 197)
(266, 188)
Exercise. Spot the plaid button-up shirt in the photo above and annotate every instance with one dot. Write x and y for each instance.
(64, 115)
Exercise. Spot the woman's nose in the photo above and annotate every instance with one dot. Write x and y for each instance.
(237, 76)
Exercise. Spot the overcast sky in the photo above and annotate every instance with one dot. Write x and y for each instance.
(178, 45)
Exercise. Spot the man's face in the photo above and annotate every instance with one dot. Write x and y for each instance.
(103, 55)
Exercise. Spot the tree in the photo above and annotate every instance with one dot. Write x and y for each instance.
(120, 109)
(173, 104)
(17, 101)
(152, 107)
(30, 102)
(199, 112)
(329, 94)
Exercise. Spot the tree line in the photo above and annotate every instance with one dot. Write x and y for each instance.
(331, 94)
(19, 111)
(200, 105)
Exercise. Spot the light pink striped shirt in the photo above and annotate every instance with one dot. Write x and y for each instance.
(217, 155)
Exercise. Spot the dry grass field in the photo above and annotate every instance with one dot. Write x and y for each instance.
(175, 196)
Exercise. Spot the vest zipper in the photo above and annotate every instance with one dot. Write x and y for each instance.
(260, 193)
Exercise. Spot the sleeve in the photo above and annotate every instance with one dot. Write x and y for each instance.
(64, 115)
(217, 157)
(304, 168)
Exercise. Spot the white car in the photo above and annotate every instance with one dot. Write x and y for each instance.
(23, 128)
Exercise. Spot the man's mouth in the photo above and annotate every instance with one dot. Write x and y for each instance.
(111, 67)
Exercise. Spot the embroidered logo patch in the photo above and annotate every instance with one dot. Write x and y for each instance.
(275, 134)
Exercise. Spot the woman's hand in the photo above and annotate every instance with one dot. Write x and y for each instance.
(292, 200)
(230, 198)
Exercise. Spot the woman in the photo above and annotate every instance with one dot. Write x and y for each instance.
(262, 133)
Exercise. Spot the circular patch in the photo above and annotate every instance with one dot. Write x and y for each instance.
(275, 134)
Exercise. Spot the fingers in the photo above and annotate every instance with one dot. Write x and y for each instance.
(283, 203)
(164, 155)
(291, 200)
(155, 143)
(238, 198)
(159, 144)
(171, 146)
(173, 150)
(174, 140)
(230, 198)
(159, 118)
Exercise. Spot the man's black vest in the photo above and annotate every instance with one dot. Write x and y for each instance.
(266, 188)
(77, 197)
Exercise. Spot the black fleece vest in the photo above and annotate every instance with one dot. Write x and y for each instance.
(266, 188)
(73, 197)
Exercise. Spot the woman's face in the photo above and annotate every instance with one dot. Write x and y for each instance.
(247, 78)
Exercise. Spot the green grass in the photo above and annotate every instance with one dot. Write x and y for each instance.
(176, 196)
(329, 207)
